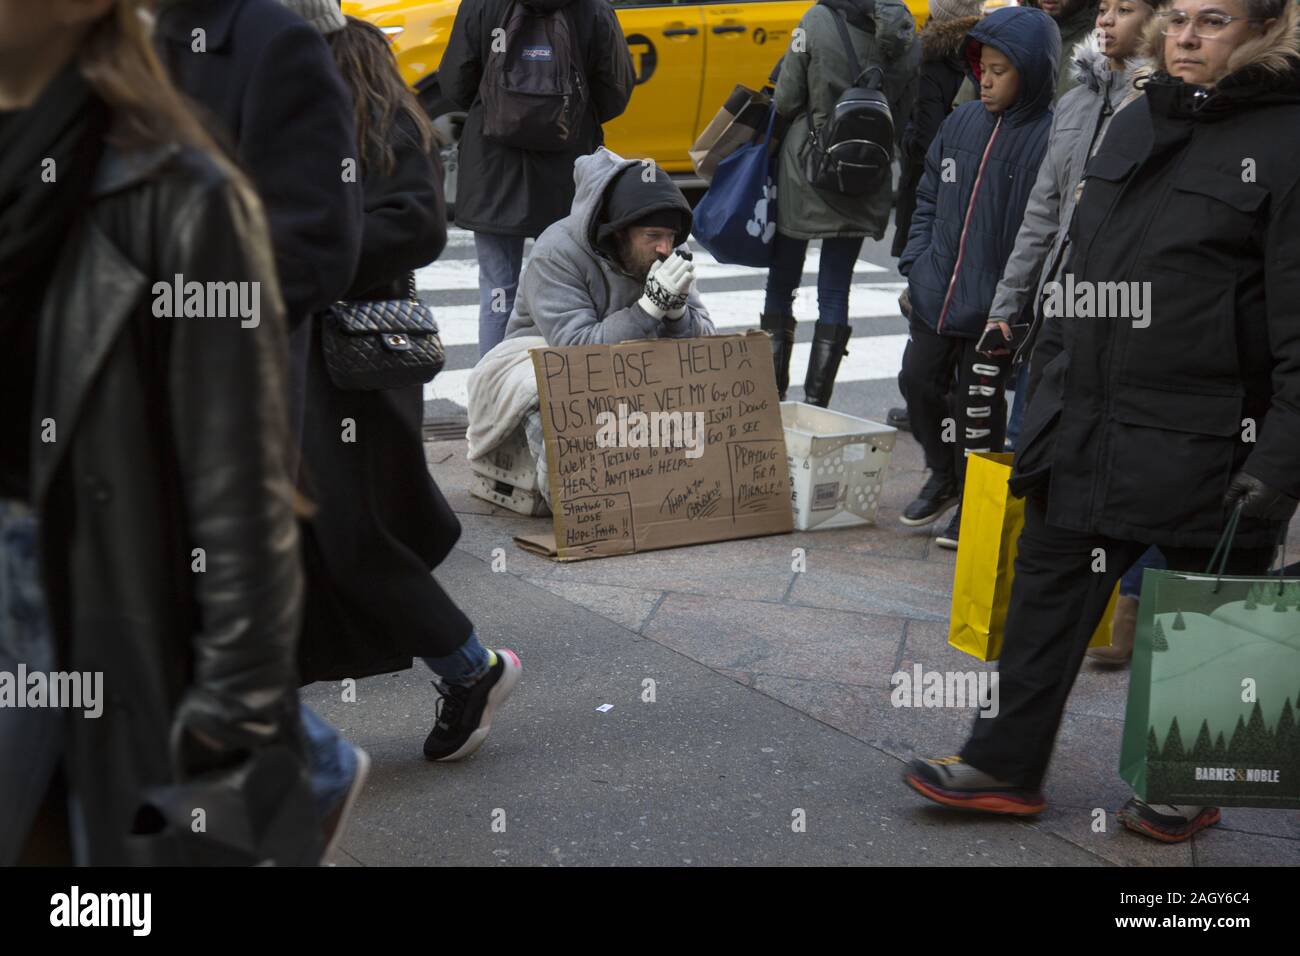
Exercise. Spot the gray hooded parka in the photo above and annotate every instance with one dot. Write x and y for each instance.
(573, 293)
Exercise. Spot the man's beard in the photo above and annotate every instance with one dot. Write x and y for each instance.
(636, 266)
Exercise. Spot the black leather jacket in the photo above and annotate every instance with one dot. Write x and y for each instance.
(170, 549)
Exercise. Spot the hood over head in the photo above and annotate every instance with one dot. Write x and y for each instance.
(1028, 37)
(613, 193)
(1264, 69)
(1274, 51)
(545, 6)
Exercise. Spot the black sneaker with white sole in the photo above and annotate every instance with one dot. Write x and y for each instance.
(947, 538)
(938, 494)
(465, 713)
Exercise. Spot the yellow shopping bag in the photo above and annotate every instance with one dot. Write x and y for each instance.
(991, 519)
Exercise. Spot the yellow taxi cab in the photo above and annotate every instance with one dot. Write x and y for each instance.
(683, 53)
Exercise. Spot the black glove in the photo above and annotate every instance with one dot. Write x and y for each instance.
(1260, 500)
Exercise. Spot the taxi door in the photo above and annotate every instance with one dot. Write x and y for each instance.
(744, 41)
(667, 43)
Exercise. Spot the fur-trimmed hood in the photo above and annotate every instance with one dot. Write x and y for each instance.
(942, 40)
(1274, 54)
(1092, 69)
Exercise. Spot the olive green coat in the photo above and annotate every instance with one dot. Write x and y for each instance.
(814, 72)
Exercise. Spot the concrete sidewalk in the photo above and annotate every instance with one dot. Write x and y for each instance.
(771, 706)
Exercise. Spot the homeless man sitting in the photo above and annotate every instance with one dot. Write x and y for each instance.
(609, 272)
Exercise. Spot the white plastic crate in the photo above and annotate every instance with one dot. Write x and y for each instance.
(524, 501)
(510, 462)
(837, 464)
(508, 477)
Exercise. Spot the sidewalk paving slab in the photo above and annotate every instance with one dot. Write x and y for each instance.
(772, 693)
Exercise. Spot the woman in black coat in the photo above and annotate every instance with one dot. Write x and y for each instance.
(381, 523)
(1152, 422)
(145, 463)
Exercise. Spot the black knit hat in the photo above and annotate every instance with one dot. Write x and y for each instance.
(631, 200)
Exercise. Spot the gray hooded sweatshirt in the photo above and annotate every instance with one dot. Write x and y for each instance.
(574, 293)
(1078, 125)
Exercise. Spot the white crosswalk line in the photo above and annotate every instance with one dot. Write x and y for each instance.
(458, 324)
(457, 237)
(450, 275)
(871, 358)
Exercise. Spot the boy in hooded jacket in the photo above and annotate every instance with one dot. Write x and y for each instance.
(979, 172)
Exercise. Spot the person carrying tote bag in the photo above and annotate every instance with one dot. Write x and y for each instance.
(815, 72)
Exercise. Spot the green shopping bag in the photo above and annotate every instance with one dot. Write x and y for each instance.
(1214, 690)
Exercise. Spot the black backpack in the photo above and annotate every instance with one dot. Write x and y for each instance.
(852, 152)
(534, 90)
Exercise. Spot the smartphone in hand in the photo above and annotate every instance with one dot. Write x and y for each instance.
(995, 342)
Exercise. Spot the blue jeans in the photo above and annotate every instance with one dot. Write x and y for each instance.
(30, 738)
(333, 760)
(499, 261)
(834, 276)
(1131, 584)
(1018, 406)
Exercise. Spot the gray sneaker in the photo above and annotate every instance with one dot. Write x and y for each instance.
(954, 783)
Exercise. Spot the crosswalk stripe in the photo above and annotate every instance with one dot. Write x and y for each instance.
(871, 358)
(448, 275)
(458, 324)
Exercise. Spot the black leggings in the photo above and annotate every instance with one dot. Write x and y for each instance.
(978, 408)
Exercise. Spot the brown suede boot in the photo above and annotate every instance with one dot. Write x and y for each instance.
(1122, 626)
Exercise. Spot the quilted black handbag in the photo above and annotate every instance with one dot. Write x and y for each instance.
(386, 343)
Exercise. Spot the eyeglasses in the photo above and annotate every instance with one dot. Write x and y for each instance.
(1207, 26)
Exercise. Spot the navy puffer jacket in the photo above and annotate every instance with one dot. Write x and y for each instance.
(956, 250)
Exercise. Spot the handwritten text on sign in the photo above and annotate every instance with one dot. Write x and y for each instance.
(662, 443)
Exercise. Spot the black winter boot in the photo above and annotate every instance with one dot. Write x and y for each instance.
(828, 347)
(781, 328)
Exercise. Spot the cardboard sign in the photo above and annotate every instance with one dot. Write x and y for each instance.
(661, 443)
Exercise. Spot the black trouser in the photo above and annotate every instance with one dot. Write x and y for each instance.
(1057, 600)
(978, 408)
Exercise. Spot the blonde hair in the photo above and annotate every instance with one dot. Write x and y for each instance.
(1275, 50)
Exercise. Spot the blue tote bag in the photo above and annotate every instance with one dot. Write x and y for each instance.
(736, 219)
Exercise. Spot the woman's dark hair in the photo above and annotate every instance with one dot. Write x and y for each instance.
(367, 65)
(118, 61)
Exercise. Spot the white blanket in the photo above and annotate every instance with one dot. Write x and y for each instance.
(502, 390)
